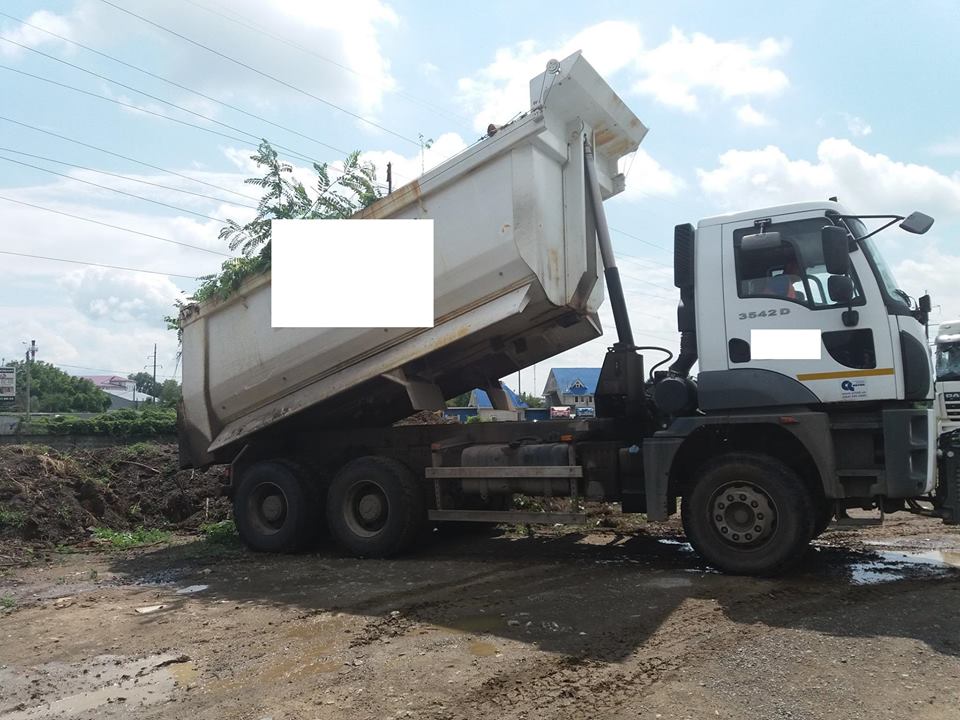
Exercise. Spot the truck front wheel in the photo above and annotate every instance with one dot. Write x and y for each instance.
(272, 507)
(748, 515)
(375, 507)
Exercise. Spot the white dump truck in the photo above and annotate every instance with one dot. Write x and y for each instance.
(763, 447)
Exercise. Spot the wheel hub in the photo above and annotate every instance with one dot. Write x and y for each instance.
(366, 508)
(742, 514)
(370, 507)
(272, 508)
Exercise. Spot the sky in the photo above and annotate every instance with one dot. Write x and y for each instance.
(749, 104)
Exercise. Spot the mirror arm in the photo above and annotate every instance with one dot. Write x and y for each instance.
(893, 219)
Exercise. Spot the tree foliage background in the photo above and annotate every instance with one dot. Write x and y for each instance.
(53, 390)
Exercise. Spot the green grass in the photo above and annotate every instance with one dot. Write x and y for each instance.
(126, 539)
(7, 602)
(223, 532)
(137, 450)
(12, 518)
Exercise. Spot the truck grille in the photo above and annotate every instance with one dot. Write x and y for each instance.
(952, 410)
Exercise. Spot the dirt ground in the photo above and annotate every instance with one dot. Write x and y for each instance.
(586, 624)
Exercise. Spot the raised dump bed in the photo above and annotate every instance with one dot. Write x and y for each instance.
(517, 280)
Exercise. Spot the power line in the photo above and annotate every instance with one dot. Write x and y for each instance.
(643, 259)
(261, 31)
(114, 372)
(261, 72)
(93, 264)
(126, 105)
(115, 227)
(128, 158)
(107, 187)
(242, 141)
(639, 239)
(166, 80)
(125, 177)
(100, 76)
(647, 282)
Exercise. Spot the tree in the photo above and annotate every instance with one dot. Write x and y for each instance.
(169, 393)
(53, 390)
(534, 401)
(286, 198)
(144, 383)
(461, 400)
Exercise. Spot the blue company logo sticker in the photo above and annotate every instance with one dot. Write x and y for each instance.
(853, 388)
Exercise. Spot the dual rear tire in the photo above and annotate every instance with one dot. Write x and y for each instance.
(374, 507)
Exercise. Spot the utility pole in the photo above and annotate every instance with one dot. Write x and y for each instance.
(155, 372)
(31, 354)
(389, 178)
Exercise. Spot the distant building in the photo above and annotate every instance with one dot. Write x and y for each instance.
(479, 405)
(571, 386)
(480, 399)
(122, 391)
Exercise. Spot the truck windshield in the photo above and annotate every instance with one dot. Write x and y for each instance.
(884, 276)
(880, 268)
(948, 361)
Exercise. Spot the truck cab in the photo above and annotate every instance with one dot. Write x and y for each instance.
(947, 348)
(812, 365)
(787, 328)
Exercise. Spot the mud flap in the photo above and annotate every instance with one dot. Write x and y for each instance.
(948, 478)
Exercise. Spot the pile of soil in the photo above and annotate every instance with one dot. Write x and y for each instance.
(49, 497)
(427, 417)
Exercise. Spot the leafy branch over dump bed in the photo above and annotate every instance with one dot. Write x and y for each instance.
(336, 196)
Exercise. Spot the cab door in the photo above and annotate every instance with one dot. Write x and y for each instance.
(781, 317)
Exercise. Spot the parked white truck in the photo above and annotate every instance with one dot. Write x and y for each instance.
(947, 352)
(762, 448)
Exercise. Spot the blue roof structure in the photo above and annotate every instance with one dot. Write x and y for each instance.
(480, 399)
(574, 381)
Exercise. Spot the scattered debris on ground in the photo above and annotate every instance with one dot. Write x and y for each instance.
(48, 498)
(573, 623)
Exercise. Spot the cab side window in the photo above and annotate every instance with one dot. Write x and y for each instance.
(792, 270)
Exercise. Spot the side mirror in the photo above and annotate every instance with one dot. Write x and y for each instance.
(840, 288)
(917, 223)
(836, 250)
(924, 304)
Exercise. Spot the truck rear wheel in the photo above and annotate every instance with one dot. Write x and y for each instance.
(824, 516)
(748, 515)
(375, 507)
(272, 507)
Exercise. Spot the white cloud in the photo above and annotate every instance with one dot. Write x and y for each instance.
(500, 90)
(675, 73)
(678, 68)
(934, 271)
(748, 115)
(348, 34)
(949, 147)
(65, 336)
(646, 177)
(408, 167)
(121, 297)
(858, 127)
(868, 183)
(32, 37)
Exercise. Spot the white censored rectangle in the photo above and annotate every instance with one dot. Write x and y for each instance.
(785, 344)
(352, 273)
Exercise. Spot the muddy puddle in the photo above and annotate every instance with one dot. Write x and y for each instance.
(104, 686)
